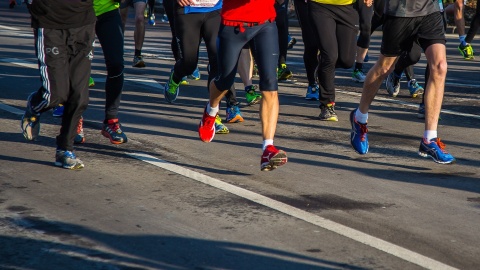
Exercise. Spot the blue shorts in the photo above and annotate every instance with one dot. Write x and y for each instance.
(264, 38)
(130, 3)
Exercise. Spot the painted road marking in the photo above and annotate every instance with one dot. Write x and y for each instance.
(326, 224)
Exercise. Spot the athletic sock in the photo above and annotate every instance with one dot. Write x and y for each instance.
(267, 143)
(212, 111)
(358, 66)
(361, 117)
(429, 134)
(138, 52)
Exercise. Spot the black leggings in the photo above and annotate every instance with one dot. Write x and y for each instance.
(282, 26)
(168, 6)
(474, 25)
(365, 24)
(109, 32)
(310, 39)
(335, 26)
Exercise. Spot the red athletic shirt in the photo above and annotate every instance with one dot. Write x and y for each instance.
(250, 11)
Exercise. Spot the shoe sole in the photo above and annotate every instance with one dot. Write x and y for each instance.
(278, 160)
(255, 101)
(358, 80)
(27, 131)
(74, 167)
(333, 119)
(236, 119)
(425, 155)
(106, 135)
(139, 65)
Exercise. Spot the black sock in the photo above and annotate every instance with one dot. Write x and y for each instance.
(138, 52)
(358, 66)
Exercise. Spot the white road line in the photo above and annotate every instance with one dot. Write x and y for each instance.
(348, 232)
(9, 28)
(20, 62)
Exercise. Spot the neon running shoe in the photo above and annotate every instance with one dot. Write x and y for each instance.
(91, 82)
(436, 150)
(184, 81)
(138, 61)
(67, 160)
(313, 92)
(358, 135)
(283, 73)
(251, 96)
(220, 128)
(195, 75)
(58, 111)
(358, 76)
(233, 114)
(466, 51)
(113, 132)
(393, 84)
(80, 137)
(414, 88)
(327, 113)
(272, 158)
(206, 128)
(151, 20)
(30, 123)
(171, 90)
(291, 42)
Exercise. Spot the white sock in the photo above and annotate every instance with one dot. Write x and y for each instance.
(266, 143)
(212, 111)
(361, 117)
(429, 134)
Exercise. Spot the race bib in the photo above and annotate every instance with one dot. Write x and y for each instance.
(204, 3)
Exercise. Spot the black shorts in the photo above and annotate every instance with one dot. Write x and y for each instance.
(399, 33)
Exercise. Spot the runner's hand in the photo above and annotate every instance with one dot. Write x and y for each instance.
(184, 3)
(368, 3)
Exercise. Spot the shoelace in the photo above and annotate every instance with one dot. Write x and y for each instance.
(441, 145)
(115, 126)
(363, 131)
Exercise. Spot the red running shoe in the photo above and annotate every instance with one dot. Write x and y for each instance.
(272, 158)
(206, 128)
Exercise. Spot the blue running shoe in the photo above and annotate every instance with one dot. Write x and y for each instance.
(358, 135)
(313, 92)
(414, 88)
(58, 111)
(195, 75)
(67, 160)
(233, 114)
(436, 150)
(171, 89)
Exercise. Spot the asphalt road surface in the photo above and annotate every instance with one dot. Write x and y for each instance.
(165, 200)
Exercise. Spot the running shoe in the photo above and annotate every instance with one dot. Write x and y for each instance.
(327, 113)
(164, 18)
(313, 92)
(171, 90)
(113, 132)
(58, 111)
(436, 150)
(358, 135)
(138, 61)
(272, 158)
(251, 95)
(358, 76)
(421, 111)
(30, 123)
(206, 128)
(283, 73)
(393, 84)
(195, 75)
(80, 137)
(291, 42)
(151, 20)
(67, 160)
(184, 81)
(414, 88)
(466, 51)
(220, 128)
(233, 114)
(91, 82)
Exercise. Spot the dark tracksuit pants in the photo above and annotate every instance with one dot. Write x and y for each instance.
(64, 58)
(109, 32)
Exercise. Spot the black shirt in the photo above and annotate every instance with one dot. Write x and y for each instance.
(410, 8)
(61, 14)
